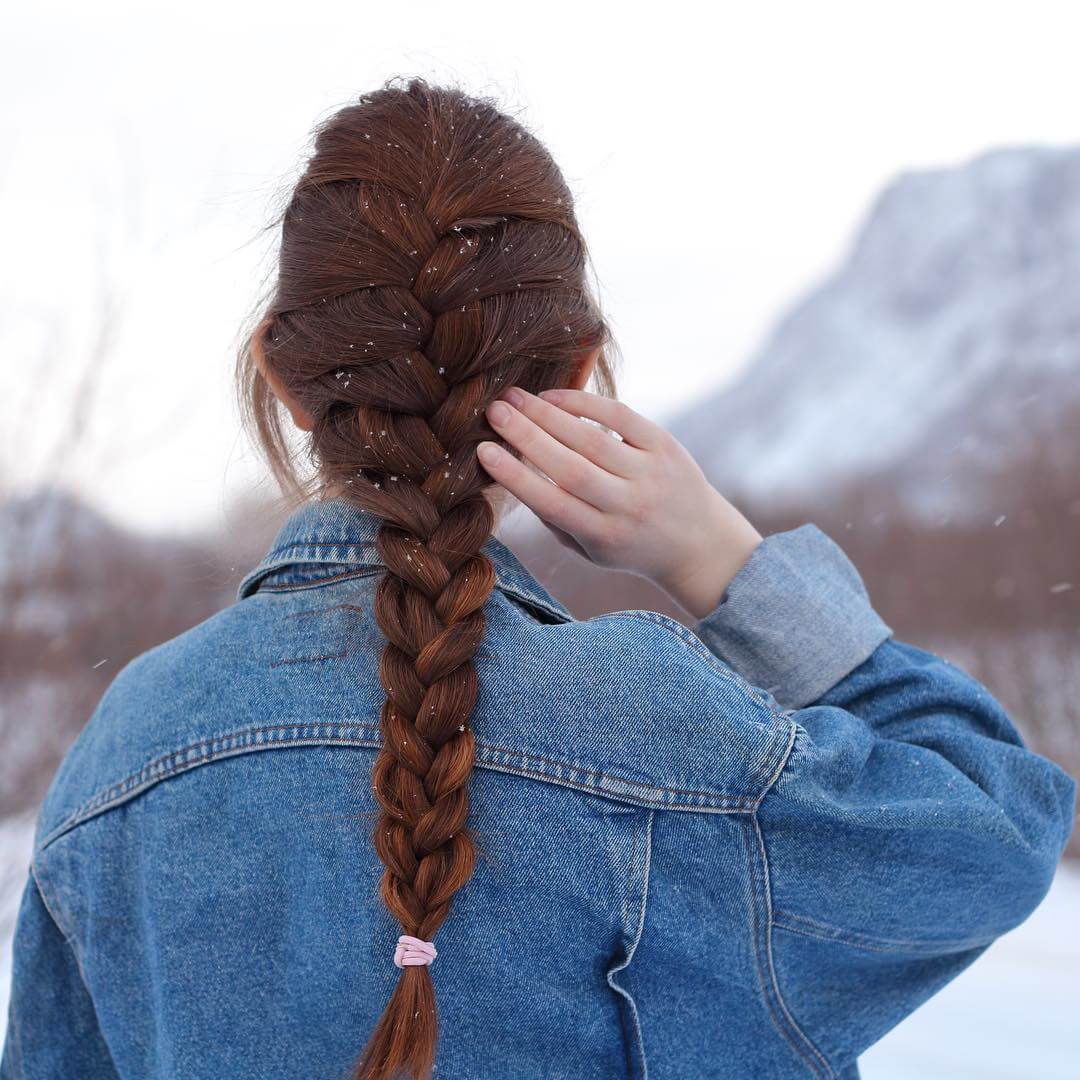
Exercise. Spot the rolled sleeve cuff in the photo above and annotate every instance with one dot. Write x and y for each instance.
(796, 618)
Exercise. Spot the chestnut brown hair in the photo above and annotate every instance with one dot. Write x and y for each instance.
(429, 257)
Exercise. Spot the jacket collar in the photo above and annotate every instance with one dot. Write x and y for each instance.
(334, 532)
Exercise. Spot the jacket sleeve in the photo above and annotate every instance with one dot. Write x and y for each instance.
(910, 826)
(52, 1028)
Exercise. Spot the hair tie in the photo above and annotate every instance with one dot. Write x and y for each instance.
(412, 952)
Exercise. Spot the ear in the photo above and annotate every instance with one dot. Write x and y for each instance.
(585, 369)
(300, 418)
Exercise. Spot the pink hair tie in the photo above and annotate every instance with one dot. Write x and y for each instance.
(412, 952)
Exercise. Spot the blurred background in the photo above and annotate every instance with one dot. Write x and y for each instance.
(840, 248)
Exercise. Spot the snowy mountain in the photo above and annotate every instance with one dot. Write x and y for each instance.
(943, 352)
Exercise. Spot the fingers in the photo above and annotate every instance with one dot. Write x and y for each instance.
(632, 426)
(570, 470)
(591, 442)
(547, 500)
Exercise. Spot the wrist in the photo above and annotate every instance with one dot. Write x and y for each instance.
(720, 548)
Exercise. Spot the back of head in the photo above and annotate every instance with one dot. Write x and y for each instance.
(429, 258)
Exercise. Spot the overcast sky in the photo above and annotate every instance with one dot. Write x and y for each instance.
(721, 154)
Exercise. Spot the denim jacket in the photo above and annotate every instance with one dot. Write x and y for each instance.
(747, 851)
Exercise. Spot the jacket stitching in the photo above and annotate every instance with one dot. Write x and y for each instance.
(632, 948)
(642, 801)
(322, 659)
(781, 1016)
(781, 764)
(768, 947)
(280, 549)
(253, 739)
(746, 801)
(756, 934)
(800, 924)
(624, 914)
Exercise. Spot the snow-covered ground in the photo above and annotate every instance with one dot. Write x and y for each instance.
(1010, 1016)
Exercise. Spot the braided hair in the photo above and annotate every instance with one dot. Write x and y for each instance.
(429, 258)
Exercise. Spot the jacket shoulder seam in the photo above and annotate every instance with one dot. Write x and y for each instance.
(691, 641)
(781, 762)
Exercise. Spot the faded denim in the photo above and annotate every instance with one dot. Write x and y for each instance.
(748, 851)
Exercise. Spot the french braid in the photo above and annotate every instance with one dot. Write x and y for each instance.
(429, 258)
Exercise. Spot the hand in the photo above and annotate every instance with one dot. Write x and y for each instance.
(641, 504)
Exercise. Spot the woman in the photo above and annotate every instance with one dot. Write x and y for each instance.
(614, 847)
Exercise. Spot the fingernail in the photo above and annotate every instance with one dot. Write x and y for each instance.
(514, 396)
(487, 452)
(550, 395)
(498, 412)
